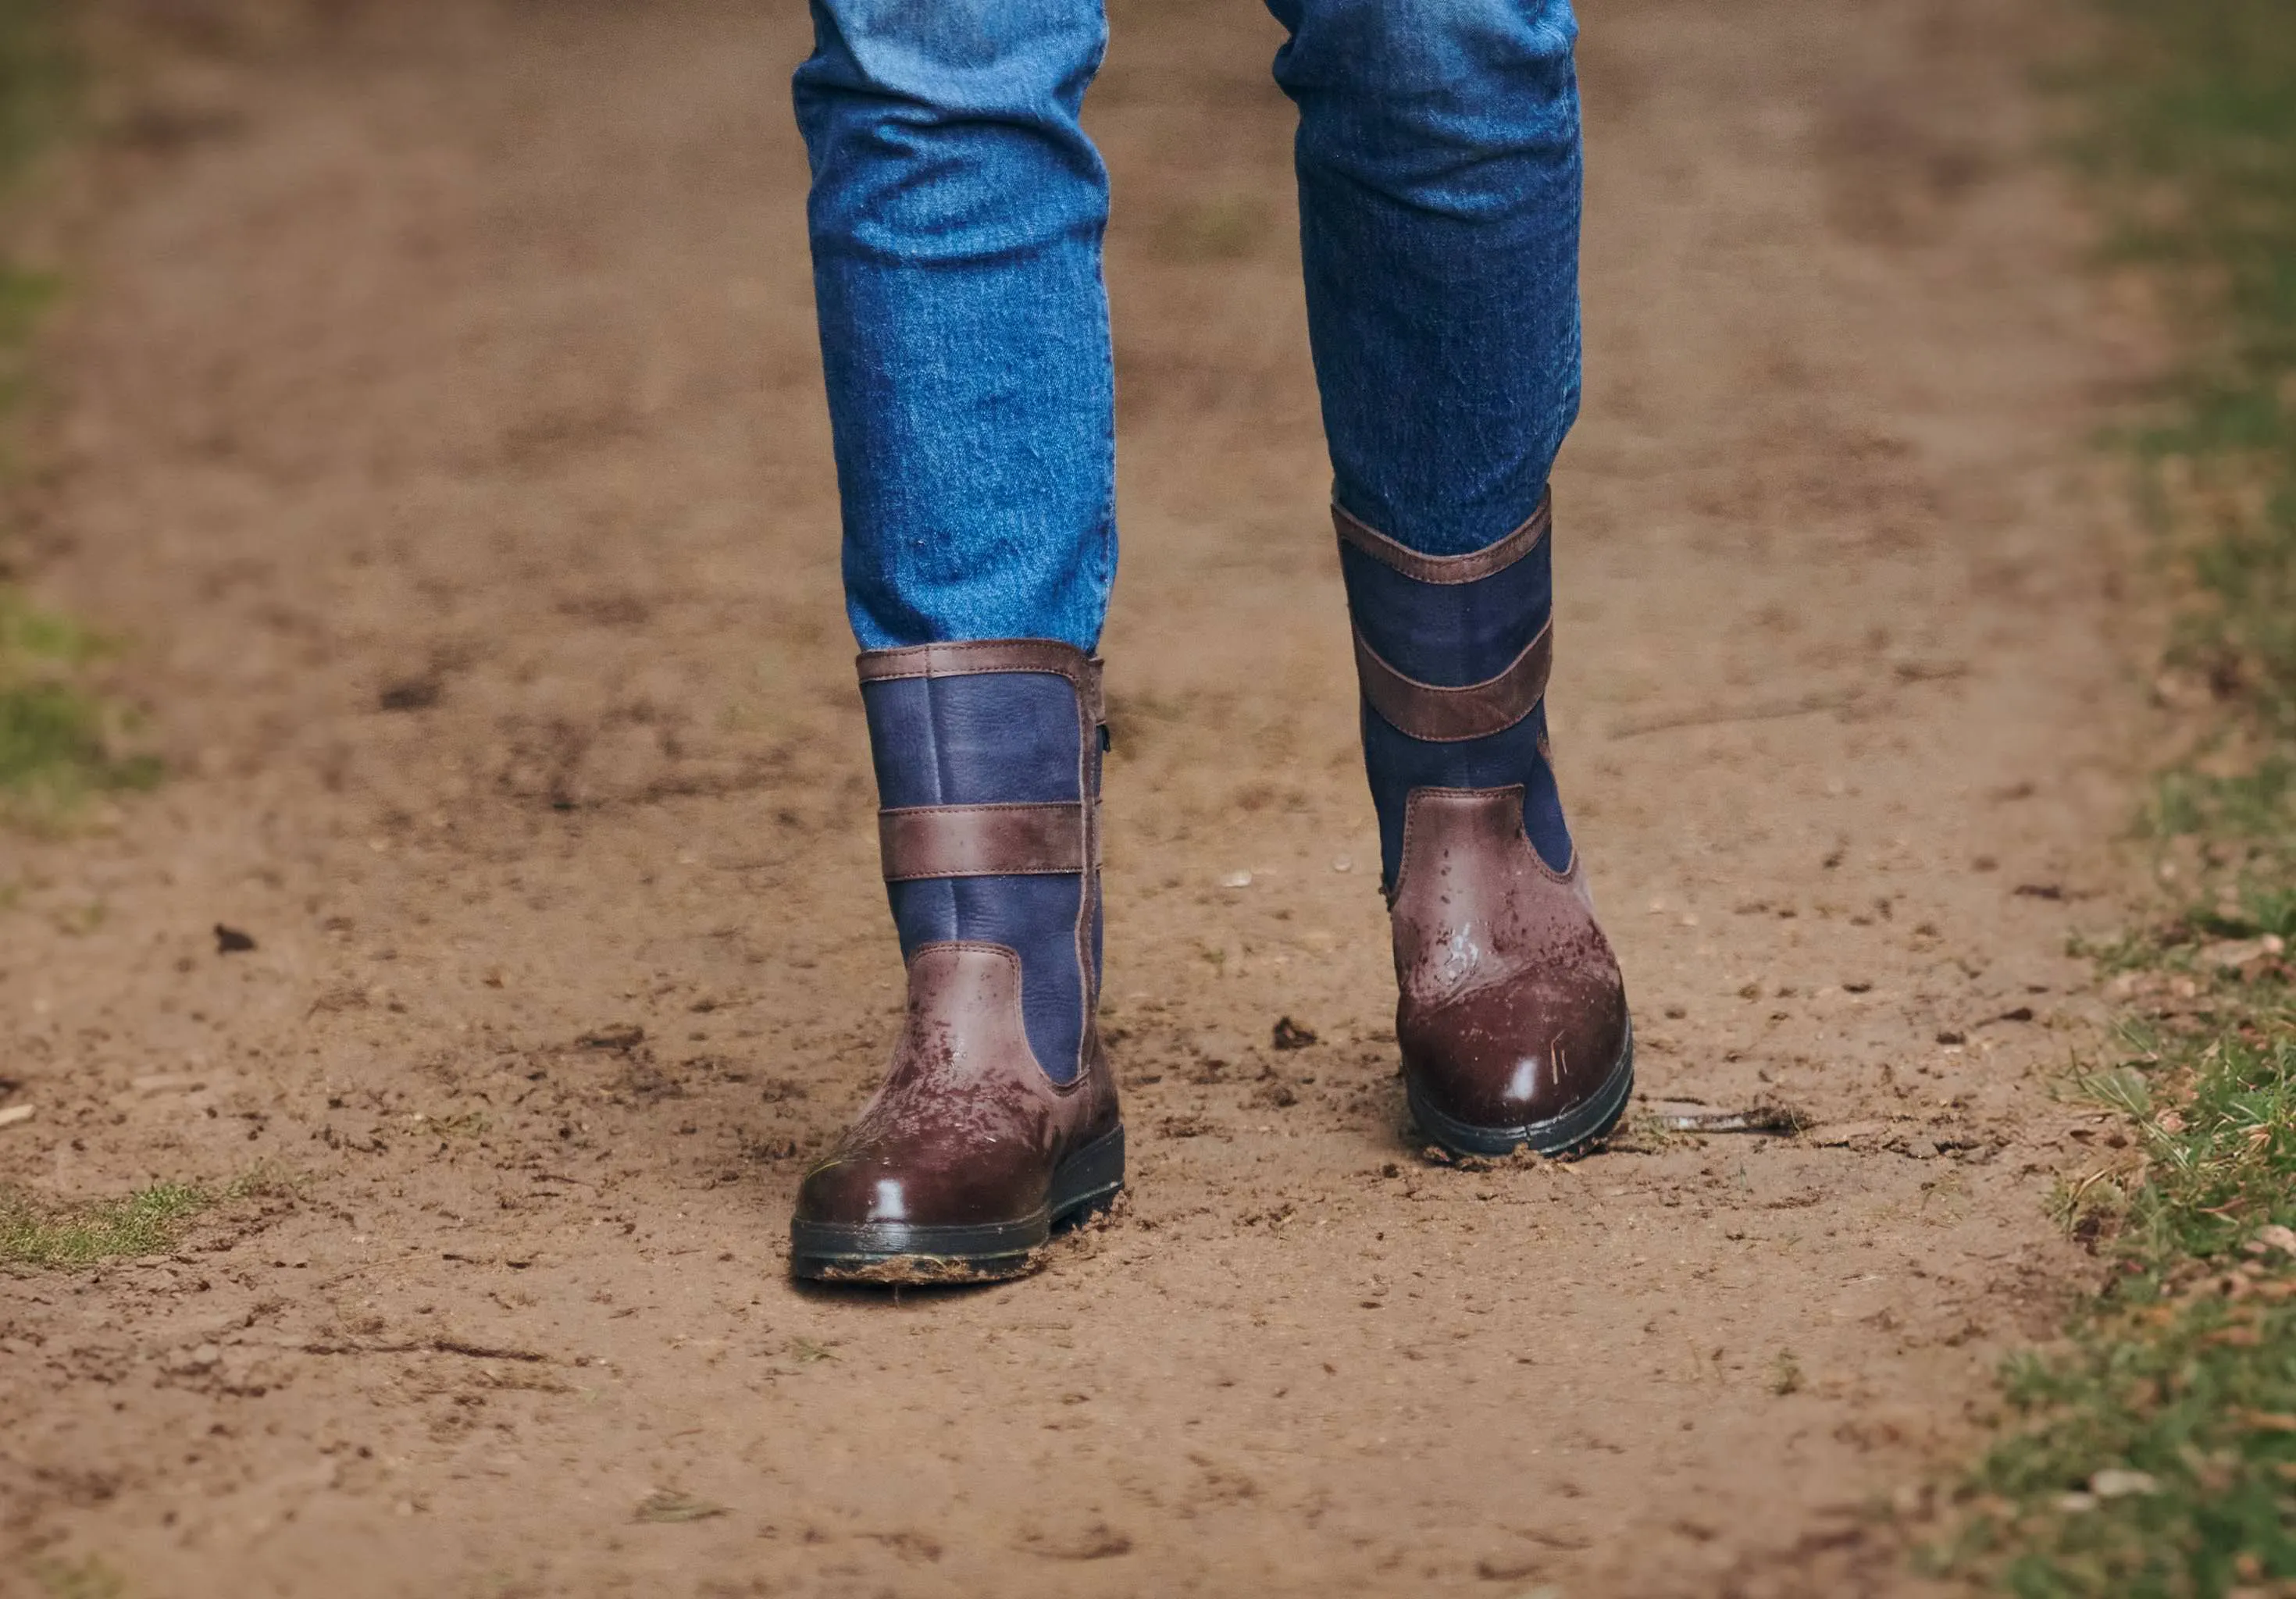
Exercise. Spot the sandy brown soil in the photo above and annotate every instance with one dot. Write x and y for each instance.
(439, 412)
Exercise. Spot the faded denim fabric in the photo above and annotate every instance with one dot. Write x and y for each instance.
(956, 216)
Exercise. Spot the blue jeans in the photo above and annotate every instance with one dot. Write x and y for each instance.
(956, 216)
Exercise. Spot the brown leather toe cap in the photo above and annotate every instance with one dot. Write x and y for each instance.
(967, 1129)
(1515, 1052)
(1512, 1010)
(884, 1185)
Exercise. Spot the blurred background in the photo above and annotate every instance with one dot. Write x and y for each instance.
(438, 914)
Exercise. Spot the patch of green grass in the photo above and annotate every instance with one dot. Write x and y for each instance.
(2191, 153)
(39, 75)
(2258, 803)
(51, 1237)
(58, 741)
(88, 1579)
(2152, 1454)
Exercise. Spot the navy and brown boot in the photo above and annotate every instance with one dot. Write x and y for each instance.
(1511, 1015)
(997, 1121)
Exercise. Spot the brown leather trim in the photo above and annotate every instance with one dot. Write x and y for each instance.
(982, 841)
(990, 655)
(1448, 716)
(1448, 569)
(1511, 1011)
(1437, 812)
(967, 1130)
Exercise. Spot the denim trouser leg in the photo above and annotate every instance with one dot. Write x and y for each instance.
(956, 216)
(1438, 198)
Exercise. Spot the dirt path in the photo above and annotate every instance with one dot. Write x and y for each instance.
(440, 413)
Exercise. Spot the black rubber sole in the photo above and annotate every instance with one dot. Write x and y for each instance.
(897, 1253)
(1563, 1136)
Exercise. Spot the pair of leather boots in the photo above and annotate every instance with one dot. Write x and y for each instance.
(998, 1120)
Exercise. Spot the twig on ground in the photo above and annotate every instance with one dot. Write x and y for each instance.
(428, 1346)
(1754, 1118)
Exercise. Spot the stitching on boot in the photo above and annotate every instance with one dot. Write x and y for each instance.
(968, 657)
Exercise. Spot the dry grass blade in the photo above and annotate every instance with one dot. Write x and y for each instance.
(1754, 1118)
(667, 1506)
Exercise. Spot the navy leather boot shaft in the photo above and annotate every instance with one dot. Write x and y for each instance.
(1434, 629)
(1027, 742)
(1511, 1015)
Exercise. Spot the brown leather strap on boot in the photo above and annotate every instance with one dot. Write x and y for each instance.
(1429, 712)
(996, 841)
(982, 841)
(991, 655)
